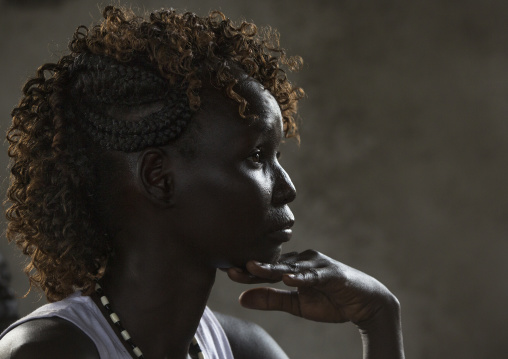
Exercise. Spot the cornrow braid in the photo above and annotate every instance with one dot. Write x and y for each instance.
(101, 82)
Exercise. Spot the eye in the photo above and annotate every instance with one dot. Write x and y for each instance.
(256, 157)
(259, 157)
(278, 154)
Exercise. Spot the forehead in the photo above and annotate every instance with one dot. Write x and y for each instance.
(220, 115)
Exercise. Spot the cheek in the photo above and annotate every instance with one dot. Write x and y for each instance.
(229, 203)
(249, 199)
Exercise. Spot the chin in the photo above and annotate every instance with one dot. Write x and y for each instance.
(265, 257)
(241, 263)
(274, 258)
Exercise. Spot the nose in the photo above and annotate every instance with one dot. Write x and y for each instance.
(284, 191)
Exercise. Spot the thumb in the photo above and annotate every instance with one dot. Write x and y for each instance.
(271, 299)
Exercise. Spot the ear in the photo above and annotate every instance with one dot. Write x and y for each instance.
(156, 176)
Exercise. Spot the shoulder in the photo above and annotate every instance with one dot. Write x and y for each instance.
(249, 340)
(47, 338)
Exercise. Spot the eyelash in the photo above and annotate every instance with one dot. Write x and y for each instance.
(258, 156)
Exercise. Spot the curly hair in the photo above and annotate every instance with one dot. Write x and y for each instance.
(63, 123)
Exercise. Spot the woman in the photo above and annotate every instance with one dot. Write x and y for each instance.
(144, 161)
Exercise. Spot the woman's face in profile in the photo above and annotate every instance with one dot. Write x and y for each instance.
(230, 199)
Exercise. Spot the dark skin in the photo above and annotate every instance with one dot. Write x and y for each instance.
(224, 208)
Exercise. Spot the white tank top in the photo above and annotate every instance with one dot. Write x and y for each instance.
(83, 313)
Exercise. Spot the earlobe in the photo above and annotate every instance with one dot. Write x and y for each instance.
(156, 176)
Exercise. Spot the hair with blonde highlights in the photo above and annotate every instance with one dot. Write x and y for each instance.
(62, 123)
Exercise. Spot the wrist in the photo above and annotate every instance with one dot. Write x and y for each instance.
(388, 315)
(382, 333)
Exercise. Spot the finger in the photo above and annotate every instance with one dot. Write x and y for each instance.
(306, 255)
(275, 271)
(311, 277)
(271, 299)
(266, 270)
(249, 277)
(240, 276)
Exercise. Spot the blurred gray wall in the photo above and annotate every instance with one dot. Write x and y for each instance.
(403, 165)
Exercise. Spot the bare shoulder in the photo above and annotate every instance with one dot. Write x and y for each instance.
(249, 340)
(47, 338)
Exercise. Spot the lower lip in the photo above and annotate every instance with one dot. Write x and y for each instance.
(281, 236)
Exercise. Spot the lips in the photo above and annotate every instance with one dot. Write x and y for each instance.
(283, 231)
(284, 235)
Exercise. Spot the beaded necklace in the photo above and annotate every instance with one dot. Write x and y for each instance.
(194, 348)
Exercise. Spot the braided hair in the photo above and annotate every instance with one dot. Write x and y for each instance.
(101, 82)
(74, 111)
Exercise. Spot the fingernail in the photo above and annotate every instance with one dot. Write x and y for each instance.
(259, 264)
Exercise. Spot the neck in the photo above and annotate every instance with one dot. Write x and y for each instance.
(159, 298)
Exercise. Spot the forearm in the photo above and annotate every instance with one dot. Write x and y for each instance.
(382, 335)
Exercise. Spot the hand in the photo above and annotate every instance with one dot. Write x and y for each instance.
(326, 290)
